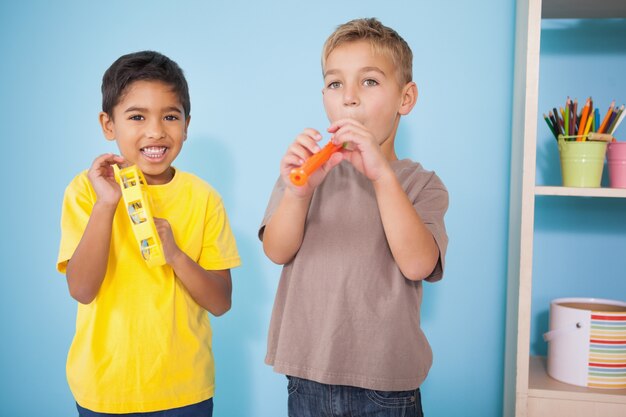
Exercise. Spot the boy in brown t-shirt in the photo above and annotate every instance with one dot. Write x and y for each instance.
(356, 241)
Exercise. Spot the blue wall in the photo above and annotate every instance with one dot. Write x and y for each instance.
(579, 242)
(255, 80)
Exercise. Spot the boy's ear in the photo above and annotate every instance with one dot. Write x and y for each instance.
(409, 98)
(187, 126)
(107, 124)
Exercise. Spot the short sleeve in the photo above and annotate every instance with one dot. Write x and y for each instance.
(431, 203)
(78, 201)
(219, 249)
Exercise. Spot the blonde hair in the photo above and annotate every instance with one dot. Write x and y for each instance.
(382, 39)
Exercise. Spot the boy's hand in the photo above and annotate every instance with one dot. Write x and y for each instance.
(102, 179)
(211, 289)
(305, 145)
(170, 249)
(362, 150)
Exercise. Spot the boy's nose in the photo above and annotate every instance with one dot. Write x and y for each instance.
(350, 98)
(155, 130)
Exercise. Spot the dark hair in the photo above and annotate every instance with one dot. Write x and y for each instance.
(142, 66)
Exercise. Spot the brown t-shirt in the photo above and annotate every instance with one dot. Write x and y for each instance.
(344, 314)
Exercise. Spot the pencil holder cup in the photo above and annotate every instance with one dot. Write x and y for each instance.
(616, 157)
(582, 163)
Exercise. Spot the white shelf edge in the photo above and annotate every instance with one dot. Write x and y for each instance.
(583, 9)
(580, 192)
(541, 385)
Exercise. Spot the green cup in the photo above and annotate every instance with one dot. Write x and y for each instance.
(582, 163)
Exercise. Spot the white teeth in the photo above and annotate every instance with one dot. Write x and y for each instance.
(153, 151)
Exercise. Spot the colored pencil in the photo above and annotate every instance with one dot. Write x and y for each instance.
(618, 120)
(583, 120)
(559, 122)
(566, 117)
(589, 124)
(552, 120)
(566, 121)
(605, 121)
(556, 136)
(612, 119)
(556, 122)
(573, 121)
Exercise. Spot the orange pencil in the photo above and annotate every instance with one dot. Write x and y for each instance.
(300, 176)
(589, 123)
(606, 118)
(583, 121)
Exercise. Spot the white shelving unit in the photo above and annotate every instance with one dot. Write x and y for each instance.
(528, 390)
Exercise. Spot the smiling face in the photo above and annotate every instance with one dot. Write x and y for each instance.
(149, 127)
(363, 85)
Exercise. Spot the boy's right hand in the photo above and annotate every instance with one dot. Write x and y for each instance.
(102, 179)
(305, 145)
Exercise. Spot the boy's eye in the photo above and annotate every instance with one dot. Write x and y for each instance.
(136, 117)
(334, 84)
(171, 117)
(370, 82)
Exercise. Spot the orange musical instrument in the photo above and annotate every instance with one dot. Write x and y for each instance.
(300, 176)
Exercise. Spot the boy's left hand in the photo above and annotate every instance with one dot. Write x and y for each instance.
(170, 248)
(362, 150)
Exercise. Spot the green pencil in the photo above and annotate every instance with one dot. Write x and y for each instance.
(556, 136)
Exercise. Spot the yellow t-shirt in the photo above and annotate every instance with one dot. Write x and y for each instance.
(143, 344)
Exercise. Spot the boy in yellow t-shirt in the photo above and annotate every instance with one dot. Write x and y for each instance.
(143, 338)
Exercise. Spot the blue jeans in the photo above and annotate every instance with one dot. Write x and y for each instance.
(202, 409)
(312, 399)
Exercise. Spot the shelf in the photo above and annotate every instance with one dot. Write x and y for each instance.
(540, 385)
(528, 390)
(580, 192)
(583, 9)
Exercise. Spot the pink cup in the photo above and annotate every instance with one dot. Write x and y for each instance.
(616, 157)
